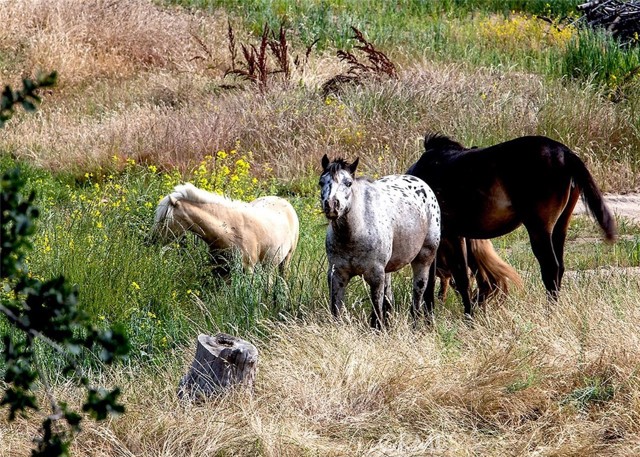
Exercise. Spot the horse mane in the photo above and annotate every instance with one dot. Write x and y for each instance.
(439, 142)
(336, 165)
(189, 192)
(193, 194)
(341, 164)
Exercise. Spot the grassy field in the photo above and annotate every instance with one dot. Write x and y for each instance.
(143, 103)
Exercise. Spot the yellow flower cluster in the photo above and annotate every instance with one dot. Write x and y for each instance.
(228, 173)
(522, 32)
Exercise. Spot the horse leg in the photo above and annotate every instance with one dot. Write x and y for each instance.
(283, 267)
(460, 272)
(388, 294)
(444, 287)
(559, 234)
(376, 280)
(429, 293)
(542, 246)
(424, 277)
(338, 281)
(420, 281)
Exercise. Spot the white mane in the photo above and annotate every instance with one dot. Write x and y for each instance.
(191, 193)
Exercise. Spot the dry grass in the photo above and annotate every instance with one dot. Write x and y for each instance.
(522, 381)
(148, 83)
(85, 41)
(173, 120)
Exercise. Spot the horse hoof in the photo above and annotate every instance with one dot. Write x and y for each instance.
(469, 320)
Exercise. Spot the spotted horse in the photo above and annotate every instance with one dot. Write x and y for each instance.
(376, 228)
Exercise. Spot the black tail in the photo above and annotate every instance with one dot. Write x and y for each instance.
(591, 195)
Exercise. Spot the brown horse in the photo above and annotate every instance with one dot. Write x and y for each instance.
(487, 192)
(493, 275)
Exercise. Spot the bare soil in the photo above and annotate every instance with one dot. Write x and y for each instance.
(626, 205)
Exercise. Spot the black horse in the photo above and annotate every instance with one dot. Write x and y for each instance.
(488, 192)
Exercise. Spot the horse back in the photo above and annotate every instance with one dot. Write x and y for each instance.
(279, 222)
(413, 214)
(486, 192)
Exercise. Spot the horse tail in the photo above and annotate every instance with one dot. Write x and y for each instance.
(493, 273)
(591, 195)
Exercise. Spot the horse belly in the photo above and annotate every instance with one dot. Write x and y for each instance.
(406, 246)
(398, 261)
(486, 214)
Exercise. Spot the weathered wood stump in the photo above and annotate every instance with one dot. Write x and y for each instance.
(221, 361)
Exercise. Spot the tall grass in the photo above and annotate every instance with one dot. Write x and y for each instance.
(138, 112)
(173, 113)
(330, 21)
(522, 381)
(599, 57)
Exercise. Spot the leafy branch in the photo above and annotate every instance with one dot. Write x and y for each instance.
(27, 97)
(45, 311)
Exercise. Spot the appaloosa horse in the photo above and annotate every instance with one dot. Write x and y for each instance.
(375, 228)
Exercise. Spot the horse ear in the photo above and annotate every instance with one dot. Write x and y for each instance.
(325, 162)
(354, 165)
(173, 200)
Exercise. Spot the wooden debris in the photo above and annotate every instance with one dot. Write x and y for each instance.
(621, 18)
(221, 362)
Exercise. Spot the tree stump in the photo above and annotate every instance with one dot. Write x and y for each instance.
(221, 361)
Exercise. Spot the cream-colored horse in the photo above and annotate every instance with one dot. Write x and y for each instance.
(265, 230)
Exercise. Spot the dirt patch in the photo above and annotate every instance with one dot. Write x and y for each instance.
(610, 272)
(627, 205)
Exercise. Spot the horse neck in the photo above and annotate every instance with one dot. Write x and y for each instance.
(210, 221)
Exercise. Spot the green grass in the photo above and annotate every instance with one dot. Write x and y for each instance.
(163, 294)
(446, 30)
(596, 56)
(330, 20)
(99, 241)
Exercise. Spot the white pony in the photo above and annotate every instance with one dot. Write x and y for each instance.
(265, 230)
(375, 228)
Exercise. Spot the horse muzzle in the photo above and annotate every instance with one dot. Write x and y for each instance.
(331, 211)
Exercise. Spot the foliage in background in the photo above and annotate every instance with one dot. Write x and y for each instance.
(27, 97)
(536, 35)
(45, 311)
(330, 21)
(597, 56)
(378, 66)
(257, 63)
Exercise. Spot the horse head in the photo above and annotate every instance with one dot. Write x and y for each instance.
(335, 186)
(166, 226)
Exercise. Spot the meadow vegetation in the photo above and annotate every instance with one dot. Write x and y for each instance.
(144, 103)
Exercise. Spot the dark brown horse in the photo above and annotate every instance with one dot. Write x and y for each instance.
(488, 192)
